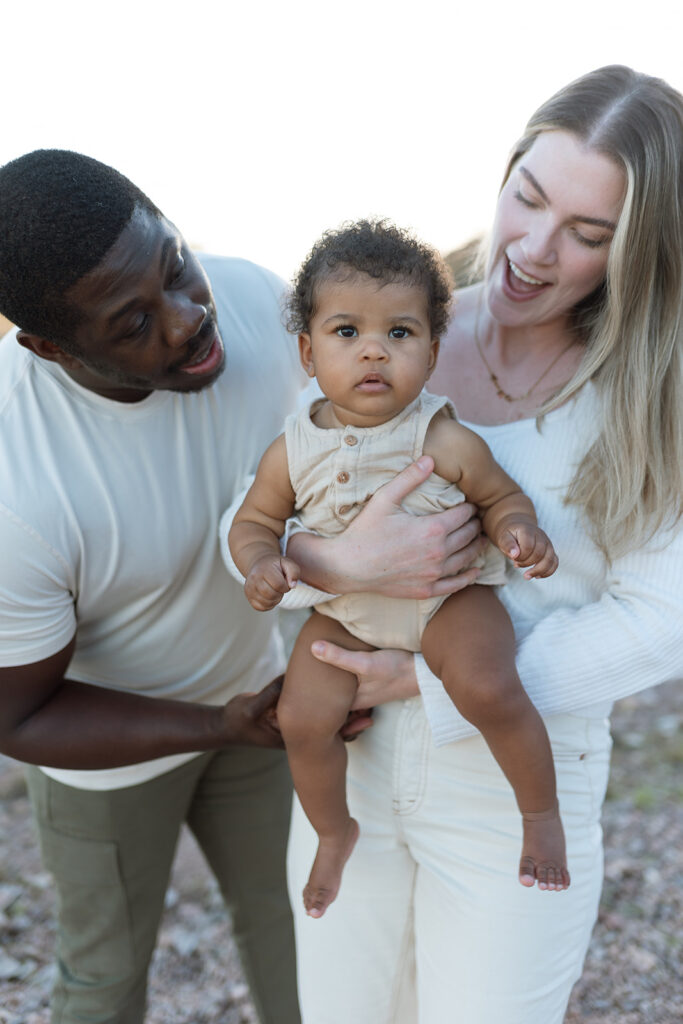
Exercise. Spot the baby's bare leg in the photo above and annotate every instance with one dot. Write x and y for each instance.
(315, 701)
(470, 645)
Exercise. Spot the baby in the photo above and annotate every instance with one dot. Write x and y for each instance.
(370, 304)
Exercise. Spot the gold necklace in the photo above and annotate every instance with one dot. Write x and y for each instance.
(500, 390)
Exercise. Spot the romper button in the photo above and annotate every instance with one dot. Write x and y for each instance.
(343, 477)
(350, 439)
(344, 509)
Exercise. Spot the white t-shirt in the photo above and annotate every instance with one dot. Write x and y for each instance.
(109, 517)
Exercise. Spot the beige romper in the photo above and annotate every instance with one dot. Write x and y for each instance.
(335, 471)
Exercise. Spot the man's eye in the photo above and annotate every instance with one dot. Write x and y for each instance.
(347, 331)
(178, 269)
(399, 332)
(139, 327)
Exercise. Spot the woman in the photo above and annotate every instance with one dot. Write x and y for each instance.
(578, 322)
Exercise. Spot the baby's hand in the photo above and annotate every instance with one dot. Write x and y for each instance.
(525, 543)
(269, 578)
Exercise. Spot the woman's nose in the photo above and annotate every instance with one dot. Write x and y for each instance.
(539, 245)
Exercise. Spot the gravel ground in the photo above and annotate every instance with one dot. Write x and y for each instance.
(633, 970)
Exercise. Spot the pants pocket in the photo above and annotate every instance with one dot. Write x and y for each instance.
(95, 930)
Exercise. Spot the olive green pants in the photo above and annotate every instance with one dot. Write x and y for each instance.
(111, 854)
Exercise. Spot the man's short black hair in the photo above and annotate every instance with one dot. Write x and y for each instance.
(60, 214)
(382, 251)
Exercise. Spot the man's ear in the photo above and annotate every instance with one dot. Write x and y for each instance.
(306, 354)
(46, 349)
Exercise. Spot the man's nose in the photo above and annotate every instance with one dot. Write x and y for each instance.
(184, 319)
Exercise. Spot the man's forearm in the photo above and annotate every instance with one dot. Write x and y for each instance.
(82, 726)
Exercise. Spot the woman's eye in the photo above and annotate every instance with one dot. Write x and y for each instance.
(523, 199)
(347, 331)
(399, 332)
(592, 243)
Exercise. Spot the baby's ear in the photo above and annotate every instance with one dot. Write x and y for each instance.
(306, 354)
(433, 355)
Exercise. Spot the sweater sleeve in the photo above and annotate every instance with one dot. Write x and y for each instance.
(627, 640)
(301, 596)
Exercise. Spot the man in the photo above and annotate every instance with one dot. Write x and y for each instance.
(125, 646)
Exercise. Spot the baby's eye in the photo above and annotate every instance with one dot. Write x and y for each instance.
(399, 332)
(347, 331)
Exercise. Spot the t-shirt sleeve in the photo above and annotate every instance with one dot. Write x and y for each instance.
(626, 641)
(37, 613)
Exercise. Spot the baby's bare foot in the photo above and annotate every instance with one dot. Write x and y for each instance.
(544, 858)
(325, 877)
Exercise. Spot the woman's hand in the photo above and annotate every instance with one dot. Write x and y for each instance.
(386, 550)
(382, 675)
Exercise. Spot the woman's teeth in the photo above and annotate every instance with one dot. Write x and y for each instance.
(522, 276)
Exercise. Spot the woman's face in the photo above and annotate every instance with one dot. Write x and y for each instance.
(554, 224)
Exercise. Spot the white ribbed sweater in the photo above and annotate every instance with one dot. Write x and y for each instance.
(591, 633)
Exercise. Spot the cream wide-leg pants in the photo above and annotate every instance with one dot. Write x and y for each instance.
(431, 925)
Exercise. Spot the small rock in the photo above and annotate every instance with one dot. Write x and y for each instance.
(184, 941)
(238, 992)
(642, 959)
(9, 894)
(10, 968)
(668, 725)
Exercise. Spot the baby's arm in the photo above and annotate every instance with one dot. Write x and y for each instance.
(508, 516)
(257, 527)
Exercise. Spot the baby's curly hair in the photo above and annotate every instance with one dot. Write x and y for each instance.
(382, 251)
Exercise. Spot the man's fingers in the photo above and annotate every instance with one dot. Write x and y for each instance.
(267, 697)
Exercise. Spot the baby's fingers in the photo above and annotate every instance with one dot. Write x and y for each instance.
(291, 573)
(544, 565)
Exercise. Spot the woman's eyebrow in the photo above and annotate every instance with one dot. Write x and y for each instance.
(599, 222)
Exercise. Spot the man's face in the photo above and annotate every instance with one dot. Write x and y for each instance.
(148, 317)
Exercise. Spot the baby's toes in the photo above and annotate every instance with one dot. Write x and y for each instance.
(527, 871)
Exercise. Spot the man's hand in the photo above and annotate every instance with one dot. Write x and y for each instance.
(268, 579)
(388, 551)
(251, 718)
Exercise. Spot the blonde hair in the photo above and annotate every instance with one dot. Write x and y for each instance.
(630, 482)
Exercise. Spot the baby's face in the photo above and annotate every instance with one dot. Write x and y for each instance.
(369, 346)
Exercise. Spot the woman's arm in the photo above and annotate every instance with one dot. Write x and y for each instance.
(627, 641)
(388, 551)
(385, 549)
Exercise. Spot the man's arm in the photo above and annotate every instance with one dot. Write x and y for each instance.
(47, 719)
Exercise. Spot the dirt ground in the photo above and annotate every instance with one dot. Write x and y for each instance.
(634, 968)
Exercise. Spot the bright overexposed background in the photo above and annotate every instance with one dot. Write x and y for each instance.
(257, 125)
